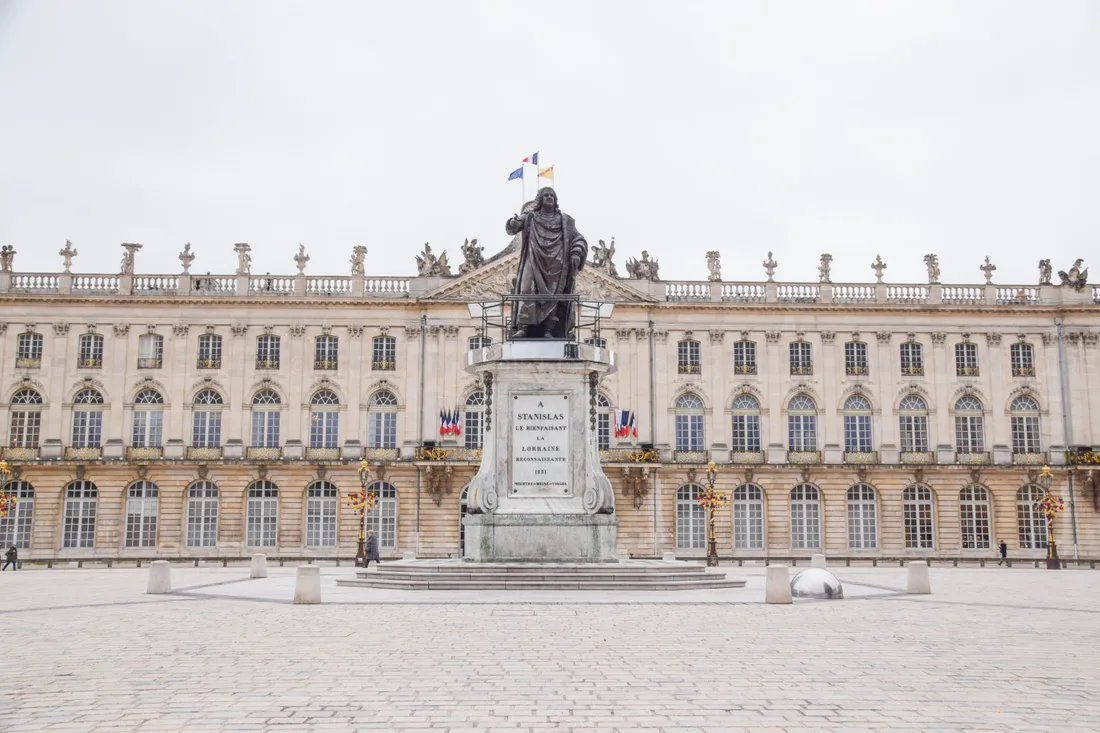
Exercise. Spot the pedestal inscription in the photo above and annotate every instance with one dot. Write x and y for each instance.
(541, 462)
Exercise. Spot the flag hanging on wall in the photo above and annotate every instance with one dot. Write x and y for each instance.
(547, 173)
(533, 159)
(633, 426)
(517, 173)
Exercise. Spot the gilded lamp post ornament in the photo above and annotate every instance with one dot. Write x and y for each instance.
(7, 499)
(1049, 506)
(710, 500)
(363, 502)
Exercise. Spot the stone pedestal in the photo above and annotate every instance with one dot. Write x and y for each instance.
(545, 537)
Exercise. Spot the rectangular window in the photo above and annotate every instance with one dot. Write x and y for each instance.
(321, 521)
(207, 431)
(969, 436)
(384, 354)
(28, 351)
(473, 432)
(598, 343)
(210, 351)
(148, 429)
(689, 432)
(744, 357)
(855, 359)
(325, 352)
(324, 429)
(202, 516)
(383, 520)
(688, 357)
(748, 525)
(265, 429)
(382, 429)
(267, 352)
(966, 359)
(802, 432)
(914, 433)
(1025, 434)
(912, 360)
(862, 534)
(150, 351)
(87, 428)
(857, 433)
(802, 362)
(805, 525)
(603, 431)
(1023, 360)
(746, 433)
(263, 515)
(26, 428)
(90, 351)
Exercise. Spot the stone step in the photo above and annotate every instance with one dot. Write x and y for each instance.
(538, 576)
(557, 585)
(587, 570)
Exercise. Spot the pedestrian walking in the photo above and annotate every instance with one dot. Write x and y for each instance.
(1003, 547)
(11, 557)
(372, 549)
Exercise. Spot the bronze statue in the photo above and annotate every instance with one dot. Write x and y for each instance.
(551, 254)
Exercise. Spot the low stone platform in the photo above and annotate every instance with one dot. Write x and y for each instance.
(631, 575)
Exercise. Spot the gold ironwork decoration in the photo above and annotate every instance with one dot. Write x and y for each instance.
(1083, 458)
(432, 454)
(643, 456)
(7, 500)
(710, 499)
(1049, 506)
(362, 502)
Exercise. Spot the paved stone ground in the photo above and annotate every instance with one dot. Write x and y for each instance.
(992, 650)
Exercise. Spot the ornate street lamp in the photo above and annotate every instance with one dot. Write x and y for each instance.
(1049, 505)
(7, 500)
(362, 501)
(710, 500)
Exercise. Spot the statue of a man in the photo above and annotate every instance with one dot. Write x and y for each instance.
(552, 252)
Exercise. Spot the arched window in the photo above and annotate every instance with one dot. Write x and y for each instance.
(28, 350)
(969, 425)
(805, 517)
(90, 351)
(206, 420)
(321, 514)
(1029, 520)
(148, 424)
(324, 420)
(15, 528)
(81, 498)
(262, 514)
(688, 359)
(383, 518)
(87, 419)
(1025, 425)
(857, 424)
(384, 354)
(603, 423)
(150, 351)
(746, 423)
(26, 419)
(917, 517)
(913, 424)
(748, 517)
(202, 514)
(141, 514)
(689, 423)
(382, 420)
(210, 351)
(265, 419)
(974, 515)
(862, 518)
(691, 519)
(473, 417)
(801, 424)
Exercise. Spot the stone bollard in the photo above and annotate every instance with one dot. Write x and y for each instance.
(408, 555)
(817, 561)
(160, 577)
(307, 587)
(668, 557)
(778, 586)
(259, 567)
(918, 578)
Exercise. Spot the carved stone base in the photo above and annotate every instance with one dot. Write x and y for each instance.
(540, 537)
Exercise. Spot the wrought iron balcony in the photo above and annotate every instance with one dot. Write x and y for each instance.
(83, 454)
(324, 364)
(91, 362)
(747, 456)
(856, 370)
(1038, 458)
(744, 369)
(857, 457)
(979, 458)
(323, 454)
(210, 363)
(267, 363)
(803, 456)
(1023, 371)
(154, 363)
(966, 371)
(144, 454)
(913, 371)
(383, 365)
(689, 368)
(28, 362)
(204, 453)
(20, 454)
(801, 371)
(921, 458)
(264, 454)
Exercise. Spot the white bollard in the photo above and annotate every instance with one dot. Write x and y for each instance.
(778, 586)
(668, 556)
(817, 561)
(408, 555)
(918, 578)
(160, 577)
(307, 586)
(259, 567)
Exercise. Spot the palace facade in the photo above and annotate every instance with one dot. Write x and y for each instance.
(186, 416)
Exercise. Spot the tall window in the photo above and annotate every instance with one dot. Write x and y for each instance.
(267, 351)
(202, 514)
(26, 419)
(324, 419)
(1030, 522)
(262, 514)
(1023, 360)
(484, 342)
(210, 351)
(265, 419)
(855, 358)
(974, 515)
(746, 423)
(148, 425)
(321, 514)
(802, 361)
(689, 423)
(913, 424)
(801, 424)
(473, 417)
(966, 359)
(603, 423)
(744, 357)
(326, 350)
(862, 518)
(206, 420)
(383, 519)
(688, 359)
(15, 529)
(384, 354)
(599, 343)
(141, 514)
(805, 517)
(1025, 425)
(150, 351)
(691, 519)
(917, 517)
(28, 350)
(748, 517)
(80, 507)
(90, 351)
(912, 359)
(87, 419)
(382, 420)
(857, 424)
(969, 425)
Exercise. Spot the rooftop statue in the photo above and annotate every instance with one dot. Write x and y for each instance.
(643, 269)
(1076, 278)
(602, 255)
(428, 265)
(472, 253)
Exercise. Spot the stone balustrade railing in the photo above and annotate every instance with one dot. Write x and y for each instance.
(326, 286)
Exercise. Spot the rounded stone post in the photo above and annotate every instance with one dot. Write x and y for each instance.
(307, 586)
(778, 586)
(259, 567)
(668, 557)
(817, 561)
(918, 582)
(160, 577)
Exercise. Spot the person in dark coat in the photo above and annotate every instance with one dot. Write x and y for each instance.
(11, 557)
(372, 549)
(1003, 547)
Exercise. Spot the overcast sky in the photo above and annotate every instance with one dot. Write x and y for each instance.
(855, 128)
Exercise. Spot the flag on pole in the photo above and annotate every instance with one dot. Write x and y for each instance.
(547, 173)
(517, 173)
(442, 423)
(533, 159)
(622, 421)
(457, 422)
(633, 426)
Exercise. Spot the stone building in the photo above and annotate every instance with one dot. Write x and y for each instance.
(211, 416)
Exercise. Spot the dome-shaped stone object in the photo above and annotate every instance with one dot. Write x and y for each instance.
(816, 583)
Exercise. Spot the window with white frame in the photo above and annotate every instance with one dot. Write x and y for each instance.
(744, 357)
(148, 420)
(689, 423)
(326, 352)
(1030, 522)
(913, 424)
(141, 514)
(801, 423)
(15, 528)
(748, 517)
(262, 518)
(688, 360)
(805, 517)
(857, 424)
(802, 358)
(1022, 357)
(210, 351)
(321, 514)
(603, 423)
(384, 354)
(90, 351)
(969, 425)
(324, 419)
(599, 343)
(974, 517)
(855, 358)
(473, 419)
(912, 359)
(916, 502)
(150, 351)
(862, 518)
(691, 519)
(206, 420)
(383, 518)
(1025, 425)
(745, 418)
(202, 514)
(268, 348)
(382, 420)
(28, 350)
(266, 407)
(87, 419)
(78, 531)
(26, 419)
(484, 342)
(966, 359)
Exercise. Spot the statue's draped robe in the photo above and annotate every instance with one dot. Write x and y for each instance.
(549, 244)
